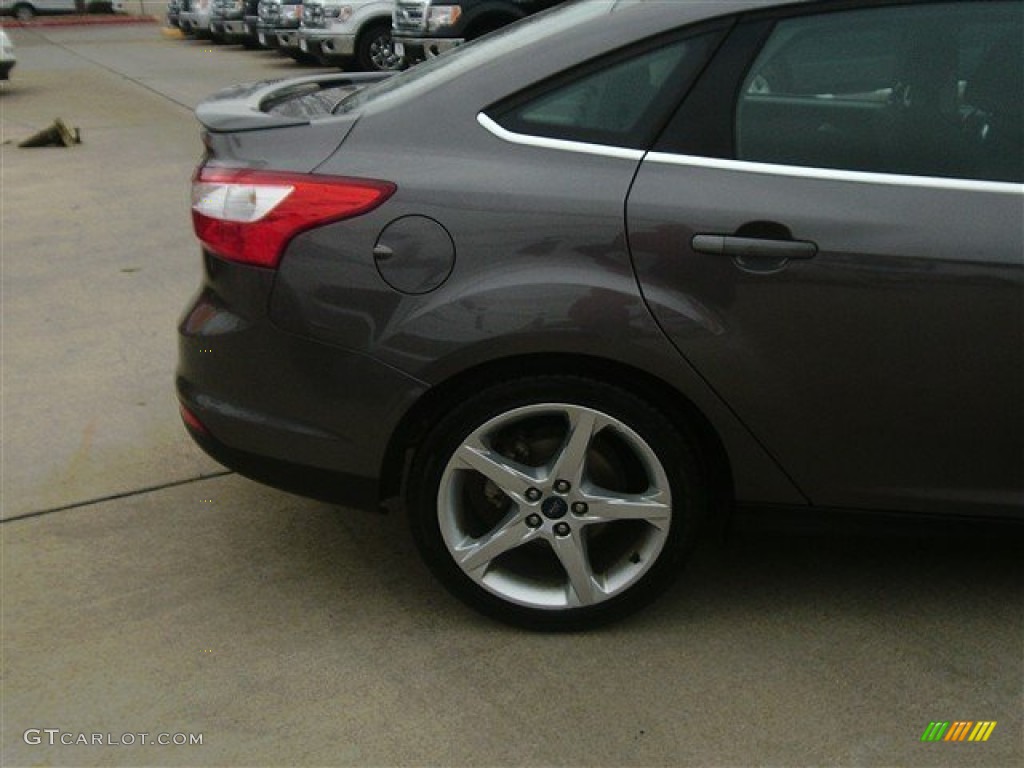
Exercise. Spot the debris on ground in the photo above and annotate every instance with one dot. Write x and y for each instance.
(57, 135)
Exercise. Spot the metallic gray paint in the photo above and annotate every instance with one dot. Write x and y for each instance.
(557, 282)
(879, 373)
(414, 254)
(550, 270)
(270, 393)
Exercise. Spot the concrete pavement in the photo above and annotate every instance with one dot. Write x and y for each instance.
(99, 258)
(285, 632)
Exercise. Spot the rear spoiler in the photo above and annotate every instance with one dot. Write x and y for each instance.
(262, 105)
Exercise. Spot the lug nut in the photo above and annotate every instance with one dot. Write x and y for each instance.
(579, 508)
(562, 486)
(562, 529)
(534, 521)
(532, 494)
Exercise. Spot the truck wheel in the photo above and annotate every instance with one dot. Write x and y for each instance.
(24, 12)
(375, 51)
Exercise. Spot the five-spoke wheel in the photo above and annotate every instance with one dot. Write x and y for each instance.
(555, 501)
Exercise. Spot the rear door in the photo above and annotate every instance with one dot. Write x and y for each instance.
(830, 230)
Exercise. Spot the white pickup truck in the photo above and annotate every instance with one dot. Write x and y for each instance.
(25, 10)
(342, 31)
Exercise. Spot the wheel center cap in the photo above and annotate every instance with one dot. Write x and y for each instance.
(554, 508)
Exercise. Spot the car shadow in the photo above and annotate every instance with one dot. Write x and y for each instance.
(822, 563)
(808, 566)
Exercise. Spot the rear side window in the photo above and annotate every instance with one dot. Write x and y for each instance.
(929, 90)
(622, 103)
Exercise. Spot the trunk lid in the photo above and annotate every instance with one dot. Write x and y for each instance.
(291, 121)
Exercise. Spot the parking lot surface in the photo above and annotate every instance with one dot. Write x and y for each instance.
(148, 591)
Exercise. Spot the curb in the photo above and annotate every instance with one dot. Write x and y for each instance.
(92, 19)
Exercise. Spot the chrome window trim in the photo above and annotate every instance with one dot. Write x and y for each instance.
(747, 166)
(837, 174)
(565, 145)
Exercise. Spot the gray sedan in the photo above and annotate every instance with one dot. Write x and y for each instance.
(574, 290)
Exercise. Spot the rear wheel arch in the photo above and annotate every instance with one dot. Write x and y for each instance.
(684, 415)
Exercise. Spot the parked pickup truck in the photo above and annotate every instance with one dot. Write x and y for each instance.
(279, 25)
(194, 17)
(426, 28)
(343, 31)
(227, 21)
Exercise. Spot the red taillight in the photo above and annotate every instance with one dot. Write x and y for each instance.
(250, 216)
(192, 420)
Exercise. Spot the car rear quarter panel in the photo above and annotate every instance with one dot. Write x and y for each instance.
(540, 268)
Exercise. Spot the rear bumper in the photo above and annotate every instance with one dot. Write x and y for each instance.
(281, 408)
(333, 487)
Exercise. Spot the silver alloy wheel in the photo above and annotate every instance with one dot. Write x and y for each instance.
(561, 506)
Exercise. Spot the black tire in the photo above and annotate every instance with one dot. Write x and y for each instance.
(24, 12)
(375, 51)
(518, 545)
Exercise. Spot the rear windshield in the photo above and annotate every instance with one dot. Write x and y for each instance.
(554, 24)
